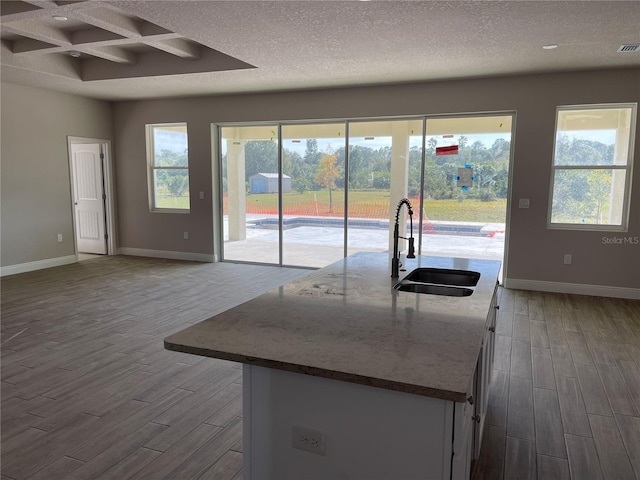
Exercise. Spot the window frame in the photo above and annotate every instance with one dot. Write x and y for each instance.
(151, 168)
(628, 168)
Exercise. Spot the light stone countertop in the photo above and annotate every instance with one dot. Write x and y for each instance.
(346, 322)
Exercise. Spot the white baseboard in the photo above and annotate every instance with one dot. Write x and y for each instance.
(575, 288)
(38, 265)
(144, 252)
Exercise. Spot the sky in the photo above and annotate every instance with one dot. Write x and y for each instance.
(168, 140)
(608, 137)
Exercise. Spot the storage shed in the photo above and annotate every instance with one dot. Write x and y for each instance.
(268, 183)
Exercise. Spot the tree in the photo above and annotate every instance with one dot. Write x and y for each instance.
(381, 181)
(500, 149)
(415, 162)
(578, 151)
(599, 191)
(301, 174)
(328, 172)
(301, 184)
(175, 181)
(312, 153)
(260, 156)
(479, 152)
(581, 195)
(171, 158)
(570, 195)
(486, 177)
(359, 174)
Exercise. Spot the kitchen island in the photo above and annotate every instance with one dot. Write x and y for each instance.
(346, 377)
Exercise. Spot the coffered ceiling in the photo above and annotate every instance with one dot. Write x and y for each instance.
(127, 49)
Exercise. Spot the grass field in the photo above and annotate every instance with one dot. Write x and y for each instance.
(375, 204)
(173, 202)
(362, 204)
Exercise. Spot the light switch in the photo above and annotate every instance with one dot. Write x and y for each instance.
(523, 203)
(201, 195)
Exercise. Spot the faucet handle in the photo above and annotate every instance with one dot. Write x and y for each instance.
(412, 250)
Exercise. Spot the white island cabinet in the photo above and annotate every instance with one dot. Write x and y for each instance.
(470, 427)
(347, 378)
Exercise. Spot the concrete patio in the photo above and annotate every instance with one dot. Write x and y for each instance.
(318, 246)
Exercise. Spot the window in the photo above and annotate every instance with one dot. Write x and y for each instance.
(168, 161)
(591, 175)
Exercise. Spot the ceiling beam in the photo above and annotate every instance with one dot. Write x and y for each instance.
(27, 45)
(38, 31)
(18, 10)
(176, 46)
(93, 35)
(110, 20)
(65, 67)
(113, 54)
(44, 4)
(157, 63)
(121, 24)
(82, 43)
(63, 40)
(112, 31)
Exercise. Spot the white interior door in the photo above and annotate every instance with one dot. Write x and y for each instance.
(88, 198)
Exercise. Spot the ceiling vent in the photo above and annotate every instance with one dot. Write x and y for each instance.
(629, 48)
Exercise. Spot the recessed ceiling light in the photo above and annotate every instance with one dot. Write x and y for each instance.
(74, 53)
(60, 18)
(551, 46)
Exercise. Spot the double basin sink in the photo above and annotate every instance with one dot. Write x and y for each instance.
(439, 281)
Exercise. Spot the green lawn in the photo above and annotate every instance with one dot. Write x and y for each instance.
(376, 204)
(467, 211)
(173, 202)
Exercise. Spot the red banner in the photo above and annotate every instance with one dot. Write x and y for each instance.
(448, 150)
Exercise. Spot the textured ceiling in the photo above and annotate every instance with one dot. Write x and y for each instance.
(144, 49)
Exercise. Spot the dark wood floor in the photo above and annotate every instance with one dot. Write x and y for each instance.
(565, 393)
(88, 392)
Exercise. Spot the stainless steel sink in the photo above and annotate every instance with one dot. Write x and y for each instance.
(444, 276)
(439, 281)
(434, 289)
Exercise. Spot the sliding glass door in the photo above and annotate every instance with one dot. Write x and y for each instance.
(313, 194)
(466, 219)
(250, 186)
(308, 194)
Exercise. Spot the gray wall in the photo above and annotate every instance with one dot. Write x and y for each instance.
(535, 253)
(36, 191)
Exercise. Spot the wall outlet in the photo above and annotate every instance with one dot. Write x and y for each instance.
(309, 440)
(523, 203)
(568, 259)
(59, 238)
(186, 235)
